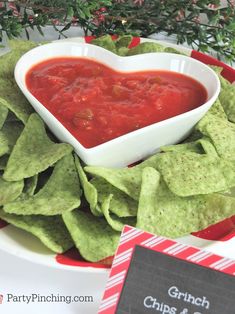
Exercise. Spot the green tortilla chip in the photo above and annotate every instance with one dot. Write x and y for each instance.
(12, 131)
(51, 231)
(4, 148)
(185, 147)
(173, 50)
(147, 215)
(163, 213)
(121, 204)
(207, 146)
(145, 48)
(215, 126)
(217, 110)
(29, 187)
(188, 173)
(202, 146)
(123, 41)
(216, 69)
(227, 98)
(3, 115)
(10, 95)
(12, 99)
(89, 190)
(115, 224)
(114, 221)
(123, 51)
(33, 152)
(194, 136)
(224, 83)
(219, 130)
(22, 45)
(222, 134)
(9, 191)
(43, 178)
(61, 193)
(105, 42)
(128, 180)
(3, 161)
(8, 136)
(9, 60)
(93, 237)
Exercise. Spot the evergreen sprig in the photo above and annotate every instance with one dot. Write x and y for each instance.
(200, 23)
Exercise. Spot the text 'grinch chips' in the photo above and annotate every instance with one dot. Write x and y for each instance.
(33, 152)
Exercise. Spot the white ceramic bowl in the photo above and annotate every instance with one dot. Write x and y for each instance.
(138, 144)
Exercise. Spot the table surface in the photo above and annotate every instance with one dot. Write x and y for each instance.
(21, 277)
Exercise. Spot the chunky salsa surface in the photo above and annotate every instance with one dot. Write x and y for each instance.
(97, 104)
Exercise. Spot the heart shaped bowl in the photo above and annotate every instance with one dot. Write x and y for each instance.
(140, 143)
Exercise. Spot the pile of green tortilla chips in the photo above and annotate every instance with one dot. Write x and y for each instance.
(45, 190)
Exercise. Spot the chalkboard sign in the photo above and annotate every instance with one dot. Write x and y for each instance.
(158, 283)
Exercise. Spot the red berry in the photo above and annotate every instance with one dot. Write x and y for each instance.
(103, 9)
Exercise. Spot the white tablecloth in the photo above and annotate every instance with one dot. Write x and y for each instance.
(20, 277)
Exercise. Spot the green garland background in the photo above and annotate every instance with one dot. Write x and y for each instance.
(202, 24)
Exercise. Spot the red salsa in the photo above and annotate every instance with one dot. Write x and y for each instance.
(97, 104)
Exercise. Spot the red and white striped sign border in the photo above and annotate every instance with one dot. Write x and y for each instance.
(130, 238)
(11, 6)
